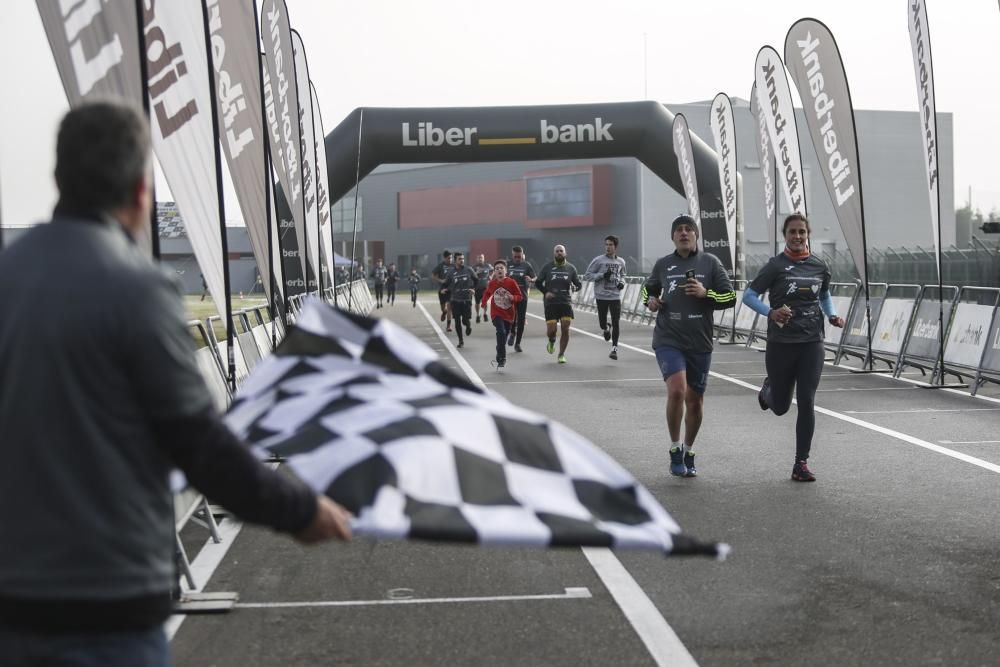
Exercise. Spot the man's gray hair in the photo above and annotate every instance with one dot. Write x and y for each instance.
(102, 153)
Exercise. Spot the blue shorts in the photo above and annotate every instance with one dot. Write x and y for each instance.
(696, 364)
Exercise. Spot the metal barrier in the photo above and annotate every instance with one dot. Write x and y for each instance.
(844, 296)
(189, 504)
(922, 347)
(893, 323)
(989, 367)
(242, 370)
(968, 340)
(854, 338)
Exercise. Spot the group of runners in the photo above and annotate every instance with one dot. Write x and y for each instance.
(684, 289)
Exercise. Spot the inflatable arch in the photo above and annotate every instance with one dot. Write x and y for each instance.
(369, 137)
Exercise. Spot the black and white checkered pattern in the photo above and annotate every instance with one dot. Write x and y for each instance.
(363, 411)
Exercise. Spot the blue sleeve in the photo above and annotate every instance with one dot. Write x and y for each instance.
(752, 298)
(826, 303)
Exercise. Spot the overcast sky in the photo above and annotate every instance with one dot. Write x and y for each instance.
(468, 53)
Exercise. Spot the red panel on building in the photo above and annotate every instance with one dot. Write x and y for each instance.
(488, 247)
(478, 204)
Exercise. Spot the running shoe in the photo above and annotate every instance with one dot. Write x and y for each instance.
(607, 332)
(501, 362)
(689, 464)
(550, 347)
(517, 348)
(477, 319)
(461, 343)
(468, 329)
(762, 393)
(443, 314)
(562, 358)
(614, 353)
(448, 329)
(802, 473)
(677, 466)
(510, 339)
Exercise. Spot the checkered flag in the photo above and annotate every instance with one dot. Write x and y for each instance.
(364, 412)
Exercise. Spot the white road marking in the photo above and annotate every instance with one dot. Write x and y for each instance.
(843, 417)
(616, 380)
(969, 442)
(903, 412)
(570, 594)
(661, 641)
(659, 638)
(867, 388)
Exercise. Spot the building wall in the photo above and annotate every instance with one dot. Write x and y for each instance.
(381, 194)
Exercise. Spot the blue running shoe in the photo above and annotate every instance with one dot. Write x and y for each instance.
(689, 464)
(677, 466)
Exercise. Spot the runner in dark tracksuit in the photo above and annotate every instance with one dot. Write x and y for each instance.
(684, 289)
(484, 272)
(414, 280)
(556, 281)
(523, 274)
(439, 274)
(391, 278)
(799, 287)
(378, 276)
(461, 287)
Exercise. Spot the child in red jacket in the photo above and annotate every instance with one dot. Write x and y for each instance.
(505, 294)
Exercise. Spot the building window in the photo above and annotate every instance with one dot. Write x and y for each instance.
(559, 196)
(342, 215)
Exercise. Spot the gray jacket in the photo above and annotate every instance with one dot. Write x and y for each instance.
(607, 273)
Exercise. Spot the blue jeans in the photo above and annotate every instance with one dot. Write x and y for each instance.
(25, 648)
(503, 330)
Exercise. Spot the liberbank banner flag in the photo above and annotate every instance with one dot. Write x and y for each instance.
(923, 69)
(763, 144)
(96, 49)
(685, 164)
(779, 115)
(724, 133)
(307, 149)
(183, 137)
(814, 62)
(233, 29)
(281, 105)
(322, 198)
(283, 223)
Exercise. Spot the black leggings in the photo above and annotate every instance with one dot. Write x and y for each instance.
(413, 294)
(462, 312)
(520, 312)
(390, 290)
(503, 330)
(795, 366)
(378, 293)
(615, 306)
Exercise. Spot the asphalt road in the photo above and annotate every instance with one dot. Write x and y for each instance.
(891, 558)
